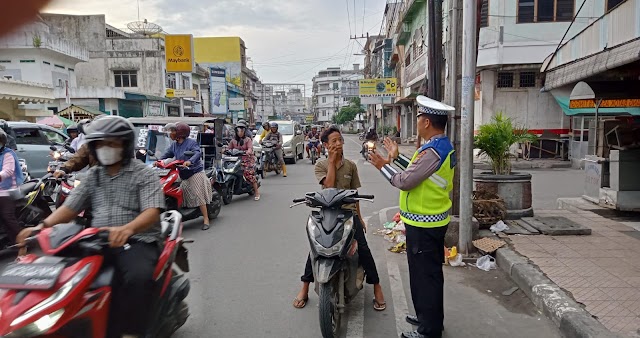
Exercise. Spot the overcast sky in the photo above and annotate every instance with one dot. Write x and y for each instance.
(288, 41)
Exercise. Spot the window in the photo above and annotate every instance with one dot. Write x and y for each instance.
(336, 86)
(505, 80)
(46, 63)
(171, 81)
(527, 79)
(324, 113)
(53, 137)
(545, 10)
(29, 136)
(484, 14)
(5, 61)
(59, 66)
(324, 99)
(27, 61)
(126, 78)
(71, 69)
(8, 77)
(613, 3)
(60, 83)
(185, 82)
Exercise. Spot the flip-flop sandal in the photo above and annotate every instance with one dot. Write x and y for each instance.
(379, 306)
(205, 226)
(257, 198)
(300, 303)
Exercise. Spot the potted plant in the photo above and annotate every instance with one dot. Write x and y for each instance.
(495, 140)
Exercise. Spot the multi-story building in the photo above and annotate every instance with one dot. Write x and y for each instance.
(37, 70)
(125, 73)
(280, 101)
(515, 38)
(333, 88)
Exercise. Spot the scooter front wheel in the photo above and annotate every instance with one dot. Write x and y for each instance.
(227, 194)
(328, 310)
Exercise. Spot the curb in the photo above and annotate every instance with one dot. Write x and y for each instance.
(570, 317)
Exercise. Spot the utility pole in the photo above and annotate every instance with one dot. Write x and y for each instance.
(469, 50)
(434, 53)
(453, 91)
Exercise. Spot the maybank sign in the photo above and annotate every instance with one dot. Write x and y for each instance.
(179, 53)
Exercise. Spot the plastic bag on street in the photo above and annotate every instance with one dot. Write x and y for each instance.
(389, 225)
(456, 261)
(400, 227)
(486, 263)
(500, 226)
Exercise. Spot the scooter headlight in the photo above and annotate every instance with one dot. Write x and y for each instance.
(56, 155)
(336, 248)
(52, 300)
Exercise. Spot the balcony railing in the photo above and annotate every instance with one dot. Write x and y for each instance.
(44, 40)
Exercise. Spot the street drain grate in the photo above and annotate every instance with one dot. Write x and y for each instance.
(634, 234)
(557, 226)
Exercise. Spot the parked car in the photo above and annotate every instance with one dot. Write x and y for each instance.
(292, 138)
(34, 141)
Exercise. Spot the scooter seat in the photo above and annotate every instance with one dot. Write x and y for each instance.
(105, 277)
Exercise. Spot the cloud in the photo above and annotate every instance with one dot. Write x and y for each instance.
(287, 40)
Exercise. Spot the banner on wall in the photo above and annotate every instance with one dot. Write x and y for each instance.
(218, 91)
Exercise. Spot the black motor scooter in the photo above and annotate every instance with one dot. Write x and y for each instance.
(334, 253)
(230, 179)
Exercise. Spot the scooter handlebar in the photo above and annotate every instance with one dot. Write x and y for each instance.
(366, 197)
(299, 200)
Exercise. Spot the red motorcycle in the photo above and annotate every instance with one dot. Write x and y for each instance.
(168, 171)
(67, 291)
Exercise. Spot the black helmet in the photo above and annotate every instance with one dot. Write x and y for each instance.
(110, 126)
(3, 139)
(81, 126)
(265, 125)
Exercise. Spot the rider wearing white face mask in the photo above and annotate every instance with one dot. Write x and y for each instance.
(125, 198)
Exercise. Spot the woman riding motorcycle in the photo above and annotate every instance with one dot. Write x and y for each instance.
(11, 177)
(275, 137)
(243, 142)
(195, 185)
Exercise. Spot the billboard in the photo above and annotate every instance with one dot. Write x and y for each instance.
(221, 52)
(374, 91)
(217, 91)
(179, 53)
(236, 103)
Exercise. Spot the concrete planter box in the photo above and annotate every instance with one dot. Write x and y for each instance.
(514, 189)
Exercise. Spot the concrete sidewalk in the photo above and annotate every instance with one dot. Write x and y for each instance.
(519, 164)
(600, 271)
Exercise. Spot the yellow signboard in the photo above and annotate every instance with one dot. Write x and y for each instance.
(609, 103)
(385, 87)
(181, 93)
(179, 53)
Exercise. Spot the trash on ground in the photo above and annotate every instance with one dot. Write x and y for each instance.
(389, 225)
(499, 226)
(509, 292)
(394, 232)
(486, 263)
(456, 261)
(488, 245)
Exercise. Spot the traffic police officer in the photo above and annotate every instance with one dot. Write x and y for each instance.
(425, 185)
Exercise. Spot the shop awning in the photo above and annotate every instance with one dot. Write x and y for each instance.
(563, 102)
(77, 113)
(144, 97)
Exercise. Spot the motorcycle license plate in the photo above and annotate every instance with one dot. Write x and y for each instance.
(162, 172)
(34, 276)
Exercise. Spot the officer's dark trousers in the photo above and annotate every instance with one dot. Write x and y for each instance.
(364, 254)
(8, 217)
(425, 253)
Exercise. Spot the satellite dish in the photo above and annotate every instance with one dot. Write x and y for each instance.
(144, 28)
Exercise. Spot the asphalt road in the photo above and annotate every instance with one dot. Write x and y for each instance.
(246, 271)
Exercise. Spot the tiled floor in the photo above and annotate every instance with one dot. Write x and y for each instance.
(601, 271)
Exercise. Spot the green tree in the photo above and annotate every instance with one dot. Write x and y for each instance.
(347, 114)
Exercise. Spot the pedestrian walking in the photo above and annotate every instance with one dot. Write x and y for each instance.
(425, 185)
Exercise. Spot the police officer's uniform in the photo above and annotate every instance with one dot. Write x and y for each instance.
(425, 184)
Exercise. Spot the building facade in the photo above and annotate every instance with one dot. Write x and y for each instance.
(333, 88)
(33, 61)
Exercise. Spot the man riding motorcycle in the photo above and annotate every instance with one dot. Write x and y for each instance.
(80, 159)
(313, 134)
(275, 137)
(72, 132)
(126, 199)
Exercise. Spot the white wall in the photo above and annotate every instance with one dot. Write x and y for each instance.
(37, 71)
(525, 43)
(527, 106)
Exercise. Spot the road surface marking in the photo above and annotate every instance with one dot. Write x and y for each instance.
(355, 326)
(400, 307)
